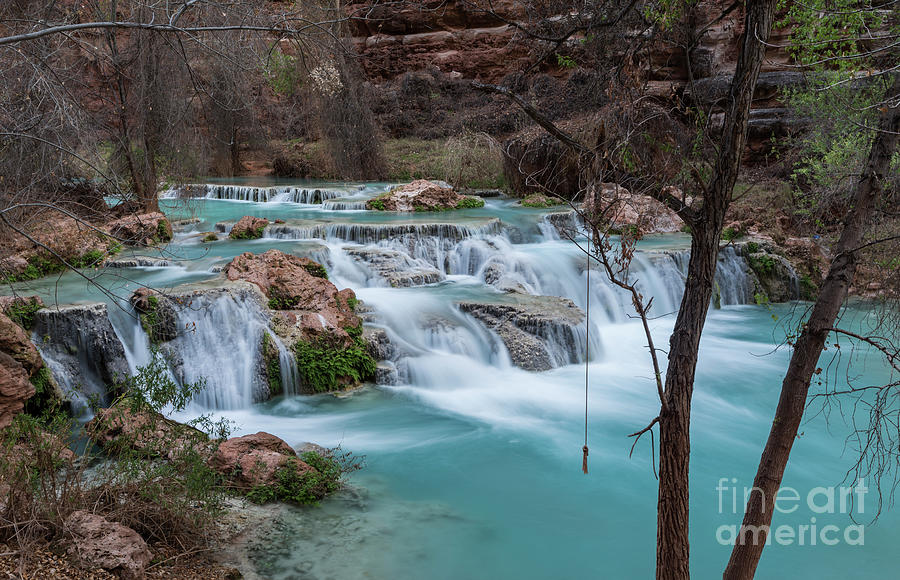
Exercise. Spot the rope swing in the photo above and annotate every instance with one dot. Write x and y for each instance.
(587, 346)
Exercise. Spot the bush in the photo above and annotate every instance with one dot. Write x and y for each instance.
(470, 202)
(328, 364)
(173, 501)
(301, 487)
(22, 312)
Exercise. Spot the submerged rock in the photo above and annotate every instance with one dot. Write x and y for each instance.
(423, 195)
(98, 542)
(540, 332)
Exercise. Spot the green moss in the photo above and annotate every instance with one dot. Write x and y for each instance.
(163, 231)
(538, 203)
(273, 365)
(352, 303)
(45, 400)
(279, 302)
(328, 364)
(253, 234)
(22, 312)
(731, 234)
(150, 317)
(301, 487)
(764, 265)
(317, 270)
(470, 202)
(808, 289)
(89, 259)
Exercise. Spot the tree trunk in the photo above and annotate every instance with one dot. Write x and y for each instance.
(758, 515)
(672, 529)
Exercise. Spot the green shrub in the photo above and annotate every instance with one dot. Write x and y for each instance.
(317, 270)
(328, 364)
(470, 202)
(22, 312)
(376, 204)
(273, 365)
(764, 265)
(301, 487)
(210, 237)
(752, 247)
(253, 234)
(731, 234)
(89, 259)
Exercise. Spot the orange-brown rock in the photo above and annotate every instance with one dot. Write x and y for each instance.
(308, 304)
(15, 389)
(119, 428)
(96, 541)
(615, 206)
(457, 37)
(248, 228)
(420, 195)
(15, 342)
(252, 460)
(141, 229)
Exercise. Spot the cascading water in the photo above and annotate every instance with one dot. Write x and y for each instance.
(462, 442)
(300, 195)
(219, 342)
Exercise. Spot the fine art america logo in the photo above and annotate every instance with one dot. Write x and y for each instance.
(817, 502)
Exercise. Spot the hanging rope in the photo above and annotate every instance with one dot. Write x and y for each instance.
(587, 352)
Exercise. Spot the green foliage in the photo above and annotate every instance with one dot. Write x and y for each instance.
(470, 202)
(327, 363)
(539, 202)
(763, 265)
(752, 247)
(808, 289)
(831, 33)
(163, 232)
(44, 402)
(210, 237)
(563, 61)
(279, 302)
(281, 72)
(301, 486)
(89, 259)
(376, 204)
(317, 270)
(352, 303)
(273, 365)
(731, 234)
(22, 312)
(247, 234)
(150, 316)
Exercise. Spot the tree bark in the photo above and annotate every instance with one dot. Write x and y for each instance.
(672, 529)
(758, 515)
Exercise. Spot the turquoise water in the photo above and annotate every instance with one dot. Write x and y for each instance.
(473, 467)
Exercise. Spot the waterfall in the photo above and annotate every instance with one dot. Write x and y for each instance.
(344, 205)
(734, 282)
(220, 341)
(84, 352)
(282, 194)
(287, 363)
(374, 233)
